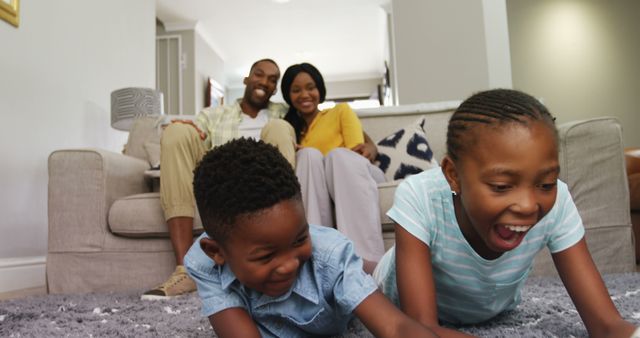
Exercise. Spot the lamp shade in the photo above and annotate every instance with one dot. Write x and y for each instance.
(127, 104)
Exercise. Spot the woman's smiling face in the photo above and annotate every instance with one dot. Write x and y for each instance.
(305, 96)
(506, 183)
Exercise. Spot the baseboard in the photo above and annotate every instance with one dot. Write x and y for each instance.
(22, 273)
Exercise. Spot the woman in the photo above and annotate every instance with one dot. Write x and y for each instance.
(328, 165)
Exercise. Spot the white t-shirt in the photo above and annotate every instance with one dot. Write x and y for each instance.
(251, 127)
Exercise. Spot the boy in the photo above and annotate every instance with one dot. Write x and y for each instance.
(261, 270)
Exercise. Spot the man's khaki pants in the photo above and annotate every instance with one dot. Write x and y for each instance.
(182, 149)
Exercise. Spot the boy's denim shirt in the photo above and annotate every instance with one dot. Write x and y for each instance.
(330, 285)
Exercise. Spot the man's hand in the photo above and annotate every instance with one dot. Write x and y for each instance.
(190, 122)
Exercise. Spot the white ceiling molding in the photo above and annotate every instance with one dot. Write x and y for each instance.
(197, 27)
(179, 26)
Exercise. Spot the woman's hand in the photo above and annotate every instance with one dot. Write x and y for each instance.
(367, 150)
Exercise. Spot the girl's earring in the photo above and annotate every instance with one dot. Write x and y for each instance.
(454, 193)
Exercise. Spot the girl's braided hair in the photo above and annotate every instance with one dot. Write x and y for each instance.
(492, 107)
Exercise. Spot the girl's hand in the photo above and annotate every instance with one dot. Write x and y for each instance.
(589, 293)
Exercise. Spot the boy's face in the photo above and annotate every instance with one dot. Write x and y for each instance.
(505, 183)
(267, 248)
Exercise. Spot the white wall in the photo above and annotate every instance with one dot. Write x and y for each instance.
(447, 50)
(201, 61)
(187, 42)
(352, 88)
(208, 63)
(57, 71)
(582, 57)
(496, 34)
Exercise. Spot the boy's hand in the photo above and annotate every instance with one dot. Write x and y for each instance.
(234, 322)
(383, 319)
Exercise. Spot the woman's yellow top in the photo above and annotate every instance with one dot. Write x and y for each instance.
(332, 128)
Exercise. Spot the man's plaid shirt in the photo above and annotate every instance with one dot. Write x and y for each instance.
(220, 124)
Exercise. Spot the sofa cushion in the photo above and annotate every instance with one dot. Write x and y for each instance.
(386, 192)
(405, 152)
(590, 165)
(145, 132)
(153, 153)
(591, 162)
(141, 216)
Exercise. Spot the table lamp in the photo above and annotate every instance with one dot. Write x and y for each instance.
(128, 104)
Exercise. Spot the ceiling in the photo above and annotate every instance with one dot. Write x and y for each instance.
(344, 39)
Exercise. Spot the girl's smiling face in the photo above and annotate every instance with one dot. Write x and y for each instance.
(505, 182)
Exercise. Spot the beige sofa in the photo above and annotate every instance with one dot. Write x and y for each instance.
(106, 230)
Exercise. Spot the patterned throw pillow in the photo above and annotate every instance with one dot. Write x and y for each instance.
(145, 130)
(405, 152)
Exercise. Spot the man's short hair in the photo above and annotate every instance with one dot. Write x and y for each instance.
(263, 60)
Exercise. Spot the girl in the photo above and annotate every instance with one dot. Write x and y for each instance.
(467, 233)
(331, 166)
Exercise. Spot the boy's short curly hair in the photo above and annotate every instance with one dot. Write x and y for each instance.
(238, 178)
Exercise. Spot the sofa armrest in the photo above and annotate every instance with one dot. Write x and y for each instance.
(83, 183)
(592, 164)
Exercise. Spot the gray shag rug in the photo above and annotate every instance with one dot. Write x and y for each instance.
(546, 311)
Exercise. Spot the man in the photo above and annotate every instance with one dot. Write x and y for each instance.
(185, 142)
